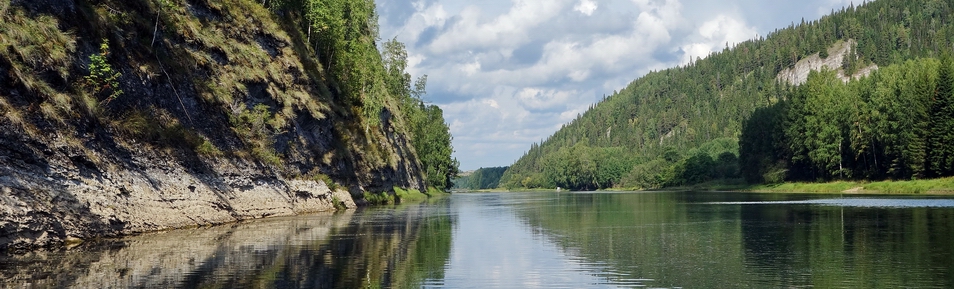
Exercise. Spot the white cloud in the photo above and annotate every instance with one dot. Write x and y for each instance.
(714, 35)
(508, 30)
(835, 5)
(541, 99)
(587, 7)
(670, 11)
(471, 68)
(492, 103)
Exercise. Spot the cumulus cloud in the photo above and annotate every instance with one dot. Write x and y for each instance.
(716, 34)
(507, 30)
(586, 7)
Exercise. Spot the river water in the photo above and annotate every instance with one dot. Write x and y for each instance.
(537, 240)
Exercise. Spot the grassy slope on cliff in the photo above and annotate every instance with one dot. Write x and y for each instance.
(203, 80)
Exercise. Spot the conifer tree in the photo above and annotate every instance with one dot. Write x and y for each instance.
(941, 138)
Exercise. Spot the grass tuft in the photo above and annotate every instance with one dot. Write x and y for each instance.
(382, 198)
(325, 179)
(410, 195)
(163, 130)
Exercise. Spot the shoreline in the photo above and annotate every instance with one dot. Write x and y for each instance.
(926, 187)
(941, 186)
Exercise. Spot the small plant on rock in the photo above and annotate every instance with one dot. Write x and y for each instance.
(102, 79)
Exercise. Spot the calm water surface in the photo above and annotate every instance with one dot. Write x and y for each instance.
(537, 240)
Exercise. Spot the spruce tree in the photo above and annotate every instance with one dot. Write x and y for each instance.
(941, 137)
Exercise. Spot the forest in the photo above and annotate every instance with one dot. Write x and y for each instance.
(686, 124)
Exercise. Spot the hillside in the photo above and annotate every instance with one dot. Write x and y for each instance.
(682, 125)
(126, 116)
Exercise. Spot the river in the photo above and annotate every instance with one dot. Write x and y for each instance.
(536, 240)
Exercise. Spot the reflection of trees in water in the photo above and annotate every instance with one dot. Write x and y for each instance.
(376, 248)
(679, 240)
(829, 246)
(643, 236)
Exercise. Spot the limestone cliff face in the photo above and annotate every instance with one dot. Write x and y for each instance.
(798, 74)
(224, 115)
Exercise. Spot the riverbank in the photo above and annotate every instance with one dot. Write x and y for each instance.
(941, 186)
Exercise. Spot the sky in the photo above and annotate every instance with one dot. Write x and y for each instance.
(509, 73)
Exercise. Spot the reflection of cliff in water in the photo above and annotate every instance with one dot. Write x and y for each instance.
(375, 248)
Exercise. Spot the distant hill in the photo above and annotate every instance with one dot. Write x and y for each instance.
(681, 125)
(481, 179)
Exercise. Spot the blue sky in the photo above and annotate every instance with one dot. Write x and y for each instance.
(508, 73)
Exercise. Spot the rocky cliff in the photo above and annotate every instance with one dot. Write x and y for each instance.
(128, 116)
(798, 74)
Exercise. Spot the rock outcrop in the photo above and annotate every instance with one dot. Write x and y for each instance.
(798, 74)
(48, 196)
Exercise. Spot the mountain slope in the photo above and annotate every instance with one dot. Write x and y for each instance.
(681, 125)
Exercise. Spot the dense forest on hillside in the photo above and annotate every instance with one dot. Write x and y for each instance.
(682, 125)
(481, 179)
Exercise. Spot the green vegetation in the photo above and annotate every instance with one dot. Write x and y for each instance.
(332, 185)
(481, 179)
(940, 186)
(410, 195)
(685, 125)
(401, 195)
(158, 127)
(430, 135)
(381, 198)
(102, 78)
(337, 203)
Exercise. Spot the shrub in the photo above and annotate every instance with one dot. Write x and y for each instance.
(102, 79)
